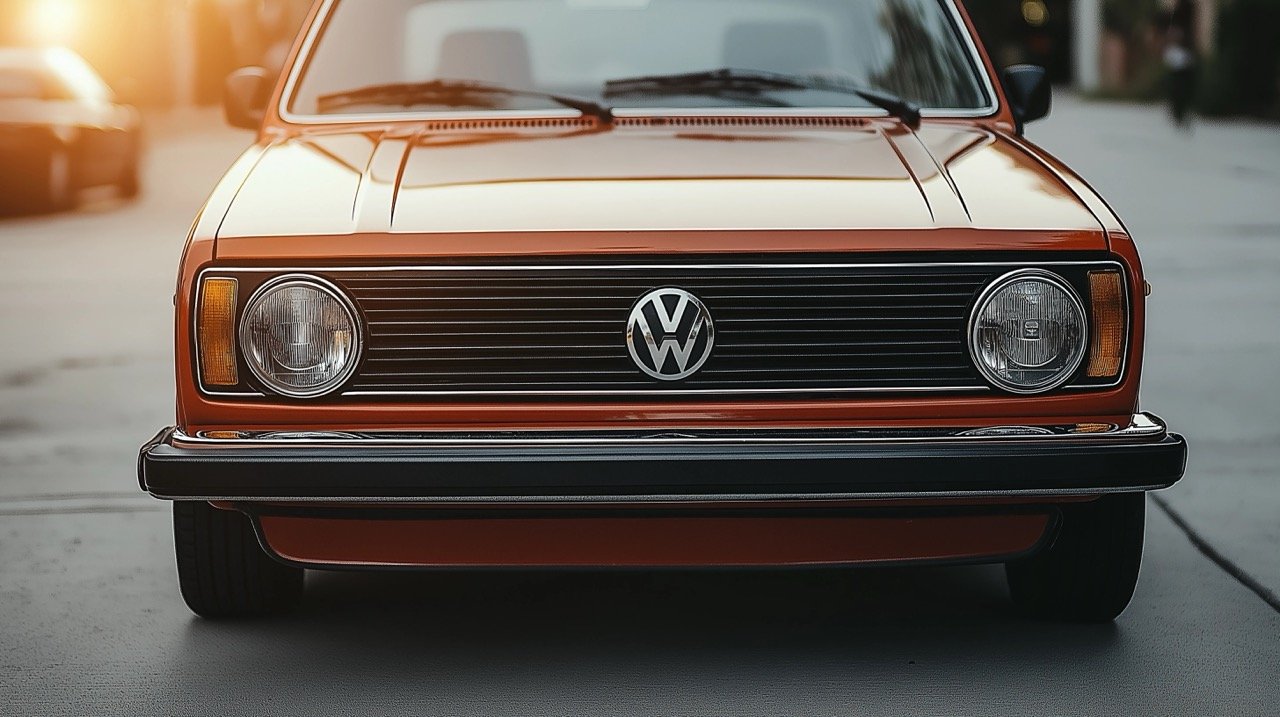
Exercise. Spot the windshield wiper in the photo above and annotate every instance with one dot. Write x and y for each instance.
(719, 82)
(452, 93)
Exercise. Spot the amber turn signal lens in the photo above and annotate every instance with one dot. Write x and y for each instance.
(216, 332)
(1110, 324)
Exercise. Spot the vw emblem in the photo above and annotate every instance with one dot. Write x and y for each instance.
(670, 334)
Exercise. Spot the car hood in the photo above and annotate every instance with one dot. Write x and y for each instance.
(676, 177)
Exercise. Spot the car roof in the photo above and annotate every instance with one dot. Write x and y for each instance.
(68, 67)
(25, 57)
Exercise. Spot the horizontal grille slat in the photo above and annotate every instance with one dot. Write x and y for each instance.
(480, 353)
(490, 322)
(550, 387)
(572, 277)
(738, 304)
(479, 294)
(607, 372)
(385, 366)
(562, 329)
(419, 346)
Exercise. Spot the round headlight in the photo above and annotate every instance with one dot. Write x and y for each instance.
(300, 337)
(1028, 330)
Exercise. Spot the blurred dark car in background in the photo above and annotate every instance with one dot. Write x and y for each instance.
(61, 131)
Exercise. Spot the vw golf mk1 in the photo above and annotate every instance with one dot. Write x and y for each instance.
(652, 283)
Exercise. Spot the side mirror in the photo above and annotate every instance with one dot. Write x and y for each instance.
(245, 97)
(1027, 87)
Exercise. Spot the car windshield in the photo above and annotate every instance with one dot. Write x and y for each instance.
(910, 49)
(22, 84)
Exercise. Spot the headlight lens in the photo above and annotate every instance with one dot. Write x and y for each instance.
(300, 337)
(1028, 332)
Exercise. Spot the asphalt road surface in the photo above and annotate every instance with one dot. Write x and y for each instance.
(91, 621)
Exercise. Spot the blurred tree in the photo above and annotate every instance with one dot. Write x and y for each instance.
(1243, 74)
(1033, 31)
(1130, 18)
(236, 33)
(1132, 56)
(920, 70)
(215, 50)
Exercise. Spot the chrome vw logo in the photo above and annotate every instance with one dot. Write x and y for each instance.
(670, 334)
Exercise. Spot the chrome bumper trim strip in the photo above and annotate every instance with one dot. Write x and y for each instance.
(1142, 427)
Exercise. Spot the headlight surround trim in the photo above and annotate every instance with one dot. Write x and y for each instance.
(985, 297)
(326, 287)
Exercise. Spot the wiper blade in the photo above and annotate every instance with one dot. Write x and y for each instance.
(727, 78)
(732, 84)
(454, 93)
(755, 82)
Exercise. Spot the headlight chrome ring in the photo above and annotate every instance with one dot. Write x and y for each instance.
(301, 336)
(1029, 323)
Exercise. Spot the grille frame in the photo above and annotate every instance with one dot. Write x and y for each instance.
(1073, 270)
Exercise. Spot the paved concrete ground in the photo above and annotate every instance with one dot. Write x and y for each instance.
(91, 622)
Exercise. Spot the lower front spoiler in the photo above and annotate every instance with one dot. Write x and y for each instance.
(708, 466)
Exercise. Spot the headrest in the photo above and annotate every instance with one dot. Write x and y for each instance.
(497, 56)
(788, 47)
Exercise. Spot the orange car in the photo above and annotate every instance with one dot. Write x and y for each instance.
(654, 283)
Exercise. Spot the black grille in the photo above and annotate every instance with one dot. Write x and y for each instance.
(788, 329)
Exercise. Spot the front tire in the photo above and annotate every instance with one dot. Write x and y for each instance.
(130, 182)
(1089, 572)
(221, 569)
(130, 185)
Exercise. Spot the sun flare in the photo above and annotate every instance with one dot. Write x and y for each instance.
(53, 22)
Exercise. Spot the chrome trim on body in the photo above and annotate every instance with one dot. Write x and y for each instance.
(658, 500)
(294, 78)
(659, 266)
(1142, 427)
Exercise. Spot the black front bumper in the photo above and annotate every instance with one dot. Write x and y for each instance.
(706, 466)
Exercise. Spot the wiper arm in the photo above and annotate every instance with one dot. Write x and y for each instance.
(456, 93)
(905, 110)
(755, 82)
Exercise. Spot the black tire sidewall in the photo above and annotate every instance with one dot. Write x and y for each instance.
(223, 571)
(1090, 570)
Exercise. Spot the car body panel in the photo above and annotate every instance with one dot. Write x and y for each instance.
(639, 541)
(866, 175)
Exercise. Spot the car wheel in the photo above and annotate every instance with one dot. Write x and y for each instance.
(130, 186)
(57, 184)
(1090, 570)
(221, 569)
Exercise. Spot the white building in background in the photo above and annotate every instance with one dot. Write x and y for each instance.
(1087, 44)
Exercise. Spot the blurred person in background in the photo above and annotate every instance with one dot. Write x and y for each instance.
(1180, 62)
